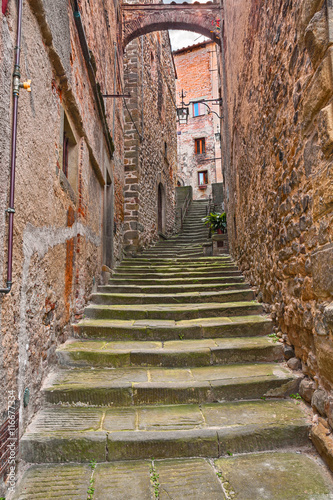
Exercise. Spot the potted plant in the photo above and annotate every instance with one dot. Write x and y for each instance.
(217, 222)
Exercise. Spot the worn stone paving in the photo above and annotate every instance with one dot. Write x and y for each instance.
(166, 393)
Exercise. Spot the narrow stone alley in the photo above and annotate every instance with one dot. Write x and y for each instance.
(174, 387)
(143, 355)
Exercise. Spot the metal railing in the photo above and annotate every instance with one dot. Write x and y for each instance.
(184, 208)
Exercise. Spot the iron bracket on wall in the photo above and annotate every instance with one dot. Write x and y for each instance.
(114, 96)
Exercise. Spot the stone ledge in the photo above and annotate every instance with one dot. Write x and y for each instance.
(322, 439)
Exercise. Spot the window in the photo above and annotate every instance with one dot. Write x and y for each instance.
(69, 153)
(203, 178)
(198, 109)
(200, 146)
(65, 154)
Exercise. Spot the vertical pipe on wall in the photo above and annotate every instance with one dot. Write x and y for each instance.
(16, 89)
(114, 88)
(142, 94)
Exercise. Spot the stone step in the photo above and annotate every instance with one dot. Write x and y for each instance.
(175, 312)
(173, 298)
(191, 229)
(194, 231)
(150, 386)
(213, 280)
(195, 264)
(180, 246)
(191, 240)
(183, 274)
(179, 353)
(195, 216)
(151, 289)
(194, 228)
(179, 261)
(191, 232)
(236, 326)
(108, 434)
(281, 475)
(164, 249)
(193, 247)
(182, 241)
(169, 254)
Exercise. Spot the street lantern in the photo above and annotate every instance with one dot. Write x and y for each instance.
(182, 115)
(182, 110)
(218, 135)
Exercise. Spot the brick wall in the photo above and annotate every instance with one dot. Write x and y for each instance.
(198, 77)
(150, 139)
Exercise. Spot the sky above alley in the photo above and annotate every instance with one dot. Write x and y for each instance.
(180, 39)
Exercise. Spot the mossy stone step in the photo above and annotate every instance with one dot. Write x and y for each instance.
(175, 312)
(146, 386)
(151, 289)
(178, 269)
(282, 475)
(178, 353)
(172, 254)
(203, 260)
(172, 298)
(181, 272)
(153, 275)
(66, 434)
(236, 326)
(178, 281)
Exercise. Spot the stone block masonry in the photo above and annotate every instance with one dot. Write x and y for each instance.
(59, 242)
(278, 91)
(150, 141)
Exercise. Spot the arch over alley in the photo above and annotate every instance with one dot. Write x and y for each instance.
(140, 19)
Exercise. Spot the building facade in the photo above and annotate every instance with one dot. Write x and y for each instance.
(77, 192)
(150, 141)
(199, 146)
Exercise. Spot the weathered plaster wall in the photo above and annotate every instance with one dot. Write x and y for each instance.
(198, 77)
(279, 183)
(151, 141)
(59, 223)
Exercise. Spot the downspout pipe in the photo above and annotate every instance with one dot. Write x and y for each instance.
(16, 90)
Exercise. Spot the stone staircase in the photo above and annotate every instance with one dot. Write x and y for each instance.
(173, 388)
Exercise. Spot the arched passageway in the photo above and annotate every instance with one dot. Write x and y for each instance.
(139, 19)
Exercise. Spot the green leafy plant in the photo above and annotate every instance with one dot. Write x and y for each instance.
(154, 479)
(216, 221)
(274, 337)
(295, 396)
(91, 489)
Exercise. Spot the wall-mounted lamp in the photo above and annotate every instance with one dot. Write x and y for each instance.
(218, 135)
(182, 111)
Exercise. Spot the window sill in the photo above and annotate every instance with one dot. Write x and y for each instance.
(65, 185)
(203, 186)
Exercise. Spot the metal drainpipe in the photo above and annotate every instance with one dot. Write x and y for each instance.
(16, 90)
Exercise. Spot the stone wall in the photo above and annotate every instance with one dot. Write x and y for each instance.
(150, 139)
(59, 224)
(198, 77)
(278, 144)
